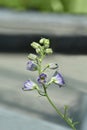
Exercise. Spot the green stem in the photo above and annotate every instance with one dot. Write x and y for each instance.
(58, 111)
(39, 65)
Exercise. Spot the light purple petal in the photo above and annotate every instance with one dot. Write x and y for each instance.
(58, 79)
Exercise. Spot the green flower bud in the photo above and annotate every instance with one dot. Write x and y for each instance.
(38, 50)
(32, 56)
(48, 51)
(35, 45)
(45, 41)
(42, 41)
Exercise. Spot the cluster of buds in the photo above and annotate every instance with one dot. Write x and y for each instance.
(35, 64)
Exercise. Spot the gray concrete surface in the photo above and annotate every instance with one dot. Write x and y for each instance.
(12, 22)
(13, 73)
(13, 120)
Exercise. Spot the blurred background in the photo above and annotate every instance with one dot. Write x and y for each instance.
(64, 22)
(59, 6)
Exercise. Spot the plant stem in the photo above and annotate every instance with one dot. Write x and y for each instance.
(63, 116)
(59, 112)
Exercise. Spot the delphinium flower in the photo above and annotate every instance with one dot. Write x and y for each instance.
(29, 85)
(41, 85)
(42, 78)
(58, 79)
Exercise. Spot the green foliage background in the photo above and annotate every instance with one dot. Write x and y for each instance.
(60, 6)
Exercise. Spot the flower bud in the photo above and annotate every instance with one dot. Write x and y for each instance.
(35, 45)
(31, 66)
(32, 56)
(48, 51)
(38, 50)
(53, 66)
(42, 41)
(45, 41)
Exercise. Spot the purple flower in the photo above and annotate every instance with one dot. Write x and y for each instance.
(42, 78)
(29, 85)
(58, 79)
(31, 66)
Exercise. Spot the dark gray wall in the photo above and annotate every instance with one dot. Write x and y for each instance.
(61, 44)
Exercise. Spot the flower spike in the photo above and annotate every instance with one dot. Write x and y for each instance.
(34, 63)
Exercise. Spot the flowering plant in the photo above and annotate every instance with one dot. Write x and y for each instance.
(35, 64)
